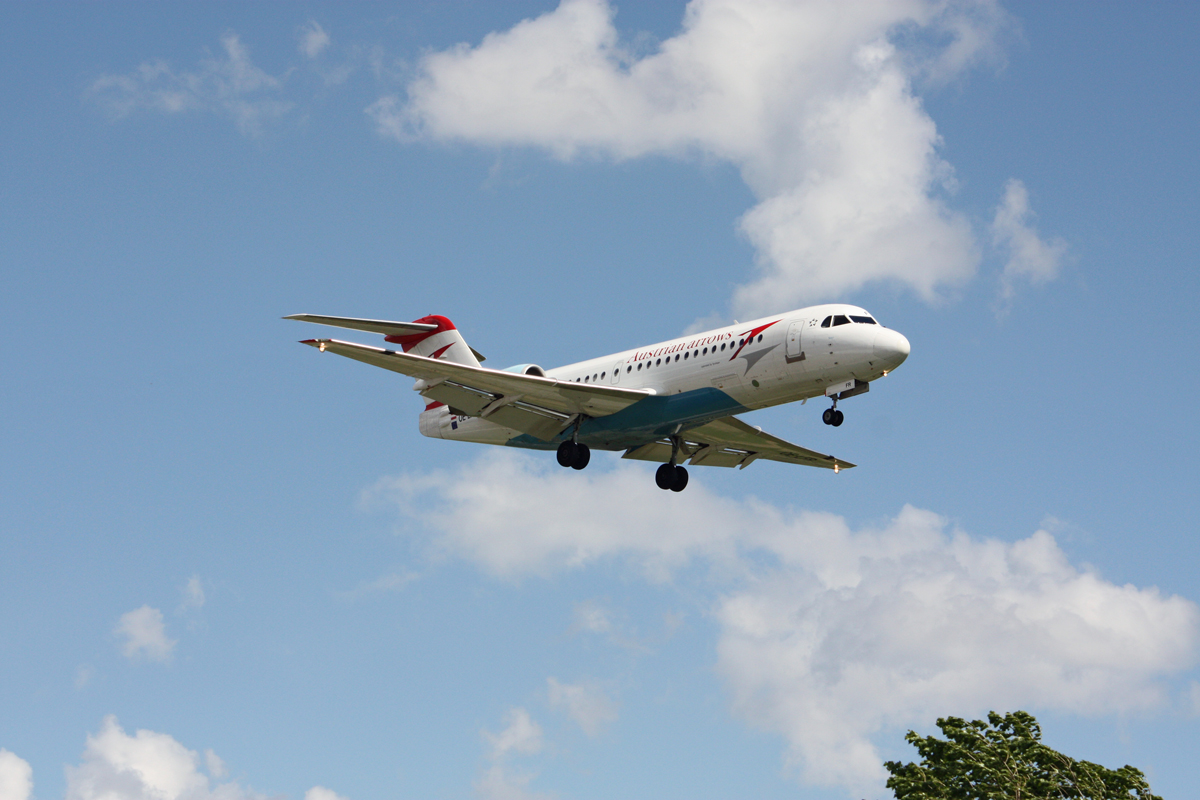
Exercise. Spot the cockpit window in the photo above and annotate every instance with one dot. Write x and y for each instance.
(825, 322)
(840, 320)
(864, 320)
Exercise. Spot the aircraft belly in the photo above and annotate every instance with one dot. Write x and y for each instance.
(474, 429)
(644, 421)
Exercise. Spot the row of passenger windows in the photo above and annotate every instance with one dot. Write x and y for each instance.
(658, 361)
(842, 319)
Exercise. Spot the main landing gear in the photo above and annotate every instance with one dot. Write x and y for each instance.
(671, 475)
(574, 455)
(832, 416)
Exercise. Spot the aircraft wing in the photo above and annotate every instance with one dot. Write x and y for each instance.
(541, 407)
(729, 442)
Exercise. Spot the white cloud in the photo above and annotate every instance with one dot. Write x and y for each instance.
(313, 40)
(521, 737)
(385, 584)
(145, 635)
(193, 594)
(586, 703)
(812, 101)
(828, 635)
(592, 617)
(83, 676)
(215, 764)
(145, 766)
(1029, 256)
(321, 793)
(16, 777)
(228, 84)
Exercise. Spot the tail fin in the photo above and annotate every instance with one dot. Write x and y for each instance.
(442, 342)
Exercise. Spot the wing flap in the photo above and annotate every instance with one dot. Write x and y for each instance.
(539, 406)
(731, 433)
(729, 442)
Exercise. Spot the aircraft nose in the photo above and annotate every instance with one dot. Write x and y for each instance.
(891, 347)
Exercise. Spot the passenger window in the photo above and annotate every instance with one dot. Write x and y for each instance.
(685, 355)
(677, 356)
(639, 366)
(656, 363)
(705, 351)
(696, 354)
(760, 337)
(629, 368)
(602, 374)
(825, 322)
(840, 320)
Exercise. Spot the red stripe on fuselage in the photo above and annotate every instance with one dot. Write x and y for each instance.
(750, 336)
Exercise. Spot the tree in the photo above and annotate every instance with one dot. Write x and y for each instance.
(1004, 759)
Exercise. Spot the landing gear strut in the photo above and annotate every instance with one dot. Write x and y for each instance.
(832, 416)
(574, 455)
(671, 475)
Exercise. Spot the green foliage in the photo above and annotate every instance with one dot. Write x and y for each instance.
(1004, 759)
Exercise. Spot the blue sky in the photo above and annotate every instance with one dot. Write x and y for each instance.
(232, 568)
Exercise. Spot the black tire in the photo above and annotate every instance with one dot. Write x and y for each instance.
(566, 454)
(665, 477)
(827, 417)
(583, 454)
(681, 479)
(838, 418)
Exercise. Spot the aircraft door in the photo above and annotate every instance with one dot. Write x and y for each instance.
(616, 373)
(795, 342)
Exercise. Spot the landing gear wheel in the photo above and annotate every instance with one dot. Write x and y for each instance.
(828, 416)
(665, 477)
(838, 417)
(583, 454)
(681, 479)
(567, 453)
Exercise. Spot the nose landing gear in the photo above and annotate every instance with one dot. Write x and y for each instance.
(832, 416)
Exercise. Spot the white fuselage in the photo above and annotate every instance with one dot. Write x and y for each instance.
(805, 353)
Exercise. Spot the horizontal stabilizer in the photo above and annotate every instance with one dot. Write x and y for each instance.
(386, 327)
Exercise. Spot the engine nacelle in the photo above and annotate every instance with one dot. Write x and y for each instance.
(526, 369)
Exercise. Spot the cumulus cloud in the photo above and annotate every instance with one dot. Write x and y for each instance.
(1030, 257)
(521, 737)
(321, 793)
(313, 40)
(145, 635)
(829, 635)
(193, 594)
(228, 84)
(145, 766)
(586, 703)
(16, 777)
(814, 102)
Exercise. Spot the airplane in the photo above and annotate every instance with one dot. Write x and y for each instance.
(670, 402)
